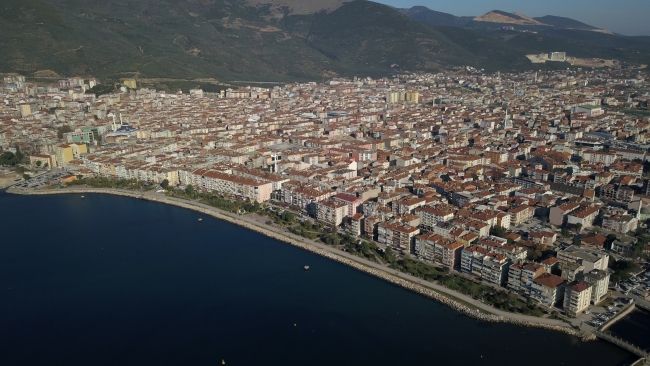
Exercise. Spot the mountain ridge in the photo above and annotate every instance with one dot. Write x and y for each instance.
(436, 18)
(234, 40)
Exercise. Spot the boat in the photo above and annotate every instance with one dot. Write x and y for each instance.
(200, 219)
(223, 362)
(306, 268)
(82, 197)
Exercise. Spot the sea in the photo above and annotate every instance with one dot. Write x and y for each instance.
(110, 280)
(634, 328)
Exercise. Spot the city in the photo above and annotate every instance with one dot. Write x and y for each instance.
(528, 192)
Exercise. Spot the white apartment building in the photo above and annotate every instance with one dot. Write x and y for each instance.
(577, 297)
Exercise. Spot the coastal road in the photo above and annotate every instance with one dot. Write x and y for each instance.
(434, 286)
(251, 221)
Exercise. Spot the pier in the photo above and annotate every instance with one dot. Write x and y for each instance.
(626, 346)
(642, 304)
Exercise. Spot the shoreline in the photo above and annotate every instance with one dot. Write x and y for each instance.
(381, 274)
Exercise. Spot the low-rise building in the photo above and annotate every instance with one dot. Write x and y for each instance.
(43, 160)
(214, 181)
(620, 223)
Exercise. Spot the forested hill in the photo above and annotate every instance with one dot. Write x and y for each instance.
(244, 40)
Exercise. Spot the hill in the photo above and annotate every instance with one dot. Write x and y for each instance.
(374, 35)
(564, 23)
(425, 15)
(497, 16)
(266, 40)
(281, 8)
(225, 39)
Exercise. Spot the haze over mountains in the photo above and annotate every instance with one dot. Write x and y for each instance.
(278, 40)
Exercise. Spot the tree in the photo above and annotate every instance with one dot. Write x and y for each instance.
(498, 231)
(565, 233)
(256, 206)
(578, 228)
(389, 255)
(623, 269)
(165, 184)
(535, 255)
(61, 130)
(19, 155)
(288, 216)
(100, 89)
(26, 177)
(332, 239)
(8, 158)
(38, 163)
(189, 189)
(610, 239)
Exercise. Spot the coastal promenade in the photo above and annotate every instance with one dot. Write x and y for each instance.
(453, 299)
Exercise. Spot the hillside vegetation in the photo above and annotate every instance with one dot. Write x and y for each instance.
(232, 40)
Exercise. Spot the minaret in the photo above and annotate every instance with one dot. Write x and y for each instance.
(506, 122)
(114, 127)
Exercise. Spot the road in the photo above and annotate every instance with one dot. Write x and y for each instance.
(250, 220)
(368, 263)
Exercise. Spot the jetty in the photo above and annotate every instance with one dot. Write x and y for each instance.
(626, 346)
(622, 314)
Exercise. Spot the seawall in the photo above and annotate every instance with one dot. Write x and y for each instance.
(630, 308)
(420, 289)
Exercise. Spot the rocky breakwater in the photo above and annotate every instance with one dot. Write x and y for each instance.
(420, 289)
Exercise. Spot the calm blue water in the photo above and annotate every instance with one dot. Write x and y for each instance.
(635, 328)
(111, 280)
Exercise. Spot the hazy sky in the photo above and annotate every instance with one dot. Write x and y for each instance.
(629, 17)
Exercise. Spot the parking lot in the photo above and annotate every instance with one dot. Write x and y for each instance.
(41, 180)
(624, 293)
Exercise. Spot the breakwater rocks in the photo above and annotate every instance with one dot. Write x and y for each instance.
(420, 289)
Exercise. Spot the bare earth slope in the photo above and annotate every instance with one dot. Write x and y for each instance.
(496, 16)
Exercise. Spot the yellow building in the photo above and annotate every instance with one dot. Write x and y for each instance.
(130, 83)
(68, 152)
(25, 110)
(68, 179)
(412, 97)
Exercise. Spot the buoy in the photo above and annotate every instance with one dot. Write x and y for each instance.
(82, 197)
(294, 325)
(200, 219)
(306, 268)
(223, 362)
